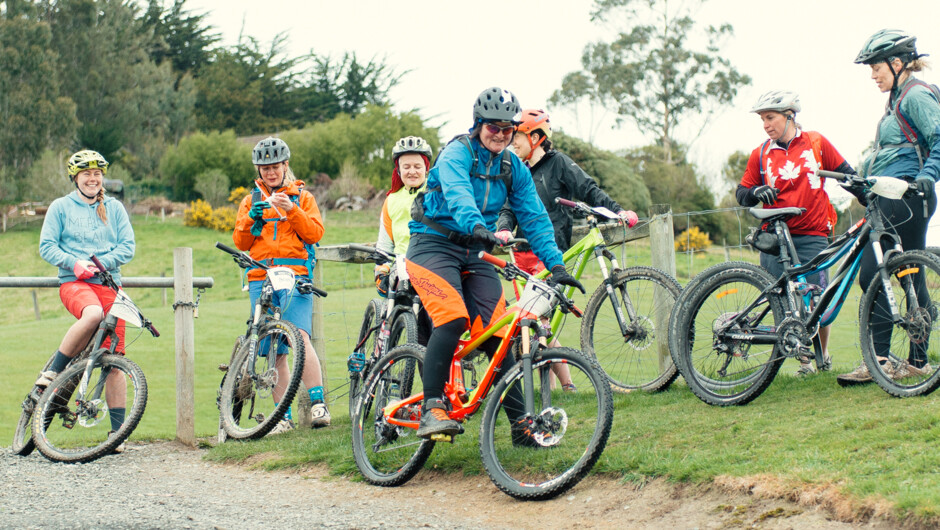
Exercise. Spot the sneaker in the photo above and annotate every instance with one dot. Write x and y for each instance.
(859, 376)
(569, 388)
(435, 420)
(319, 416)
(522, 434)
(805, 369)
(45, 378)
(282, 427)
(120, 448)
(826, 364)
(906, 369)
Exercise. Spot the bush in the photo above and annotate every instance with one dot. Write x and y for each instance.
(213, 186)
(200, 152)
(236, 196)
(201, 213)
(349, 185)
(692, 240)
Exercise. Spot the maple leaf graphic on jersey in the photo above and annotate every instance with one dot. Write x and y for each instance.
(789, 171)
(812, 167)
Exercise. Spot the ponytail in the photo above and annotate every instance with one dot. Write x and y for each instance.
(102, 212)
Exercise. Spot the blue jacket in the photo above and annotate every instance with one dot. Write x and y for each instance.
(464, 201)
(923, 113)
(73, 231)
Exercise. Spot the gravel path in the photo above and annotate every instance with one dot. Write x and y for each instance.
(163, 485)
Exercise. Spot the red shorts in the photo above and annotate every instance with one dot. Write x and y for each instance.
(78, 295)
(528, 261)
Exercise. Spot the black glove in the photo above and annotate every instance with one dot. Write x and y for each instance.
(765, 194)
(926, 186)
(858, 191)
(481, 234)
(561, 276)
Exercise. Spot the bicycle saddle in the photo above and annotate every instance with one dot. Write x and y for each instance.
(767, 213)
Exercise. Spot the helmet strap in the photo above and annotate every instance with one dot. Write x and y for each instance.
(533, 146)
(89, 197)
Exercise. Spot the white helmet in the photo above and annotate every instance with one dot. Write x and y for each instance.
(778, 100)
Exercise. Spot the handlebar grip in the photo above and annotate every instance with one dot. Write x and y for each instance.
(841, 177)
(491, 259)
(98, 264)
(566, 202)
(517, 241)
(361, 248)
(225, 248)
(319, 292)
(153, 331)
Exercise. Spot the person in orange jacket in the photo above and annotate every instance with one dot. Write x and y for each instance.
(274, 224)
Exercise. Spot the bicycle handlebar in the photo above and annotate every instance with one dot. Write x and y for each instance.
(493, 260)
(376, 254)
(245, 261)
(511, 271)
(107, 280)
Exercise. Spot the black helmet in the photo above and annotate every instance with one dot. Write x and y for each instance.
(496, 104)
(886, 44)
(271, 150)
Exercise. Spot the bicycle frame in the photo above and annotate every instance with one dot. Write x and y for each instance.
(464, 401)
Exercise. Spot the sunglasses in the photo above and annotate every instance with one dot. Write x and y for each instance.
(496, 129)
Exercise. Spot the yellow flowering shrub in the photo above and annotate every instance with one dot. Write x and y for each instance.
(237, 195)
(693, 240)
(201, 213)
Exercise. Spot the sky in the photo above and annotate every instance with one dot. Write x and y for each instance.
(453, 50)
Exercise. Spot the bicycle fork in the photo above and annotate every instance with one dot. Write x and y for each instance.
(627, 330)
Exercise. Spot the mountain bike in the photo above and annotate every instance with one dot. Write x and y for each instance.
(387, 322)
(569, 430)
(625, 318)
(734, 325)
(267, 361)
(70, 421)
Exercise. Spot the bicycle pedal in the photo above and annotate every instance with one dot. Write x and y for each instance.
(442, 438)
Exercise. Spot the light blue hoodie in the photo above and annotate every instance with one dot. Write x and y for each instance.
(72, 231)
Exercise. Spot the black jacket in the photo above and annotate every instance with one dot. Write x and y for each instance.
(556, 175)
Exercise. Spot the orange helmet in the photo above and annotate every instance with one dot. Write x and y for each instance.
(535, 120)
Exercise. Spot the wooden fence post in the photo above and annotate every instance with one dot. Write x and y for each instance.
(663, 254)
(185, 345)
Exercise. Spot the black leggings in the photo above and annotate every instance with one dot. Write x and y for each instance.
(907, 218)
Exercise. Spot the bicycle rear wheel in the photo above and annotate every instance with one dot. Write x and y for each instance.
(718, 369)
(387, 454)
(375, 312)
(23, 443)
(911, 346)
(565, 437)
(639, 359)
(72, 427)
(247, 406)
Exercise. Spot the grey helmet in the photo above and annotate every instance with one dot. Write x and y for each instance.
(411, 144)
(271, 150)
(887, 44)
(778, 100)
(496, 104)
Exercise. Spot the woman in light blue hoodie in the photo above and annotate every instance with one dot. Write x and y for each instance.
(82, 224)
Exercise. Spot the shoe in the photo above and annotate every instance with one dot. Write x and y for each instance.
(45, 378)
(435, 420)
(522, 435)
(569, 388)
(906, 369)
(805, 369)
(859, 376)
(120, 448)
(282, 427)
(826, 364)
(319, 416)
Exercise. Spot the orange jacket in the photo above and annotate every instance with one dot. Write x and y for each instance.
(280, 239)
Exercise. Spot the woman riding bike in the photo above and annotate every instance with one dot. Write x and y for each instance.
(781, 172)
(276, 223)
(907, 146)
(452, 222)
(82, 224)
(555, 175)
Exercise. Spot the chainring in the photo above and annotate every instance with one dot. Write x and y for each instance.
(793, 338)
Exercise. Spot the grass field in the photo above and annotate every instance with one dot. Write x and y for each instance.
(803, 433)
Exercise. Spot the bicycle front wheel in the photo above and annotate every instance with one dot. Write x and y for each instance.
(23, 443)
(910, 347)
(368, 333)
(258, 389)
(719, 369)
(545, 454)
(388, 454)
(70, 426)
(638, 359)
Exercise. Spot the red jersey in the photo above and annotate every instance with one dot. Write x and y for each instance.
(793, 172)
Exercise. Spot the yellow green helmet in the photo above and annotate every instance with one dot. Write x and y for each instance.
(86, 159)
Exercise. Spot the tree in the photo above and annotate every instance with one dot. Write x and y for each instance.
(345, 86)
(650, 74)
(199, 153)
(182, 37)
(612, 173)
(33, 113)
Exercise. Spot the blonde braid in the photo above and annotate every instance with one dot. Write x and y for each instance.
(102, 213)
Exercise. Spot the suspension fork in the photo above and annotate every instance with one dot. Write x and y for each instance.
(886, 281)
(602, 254)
